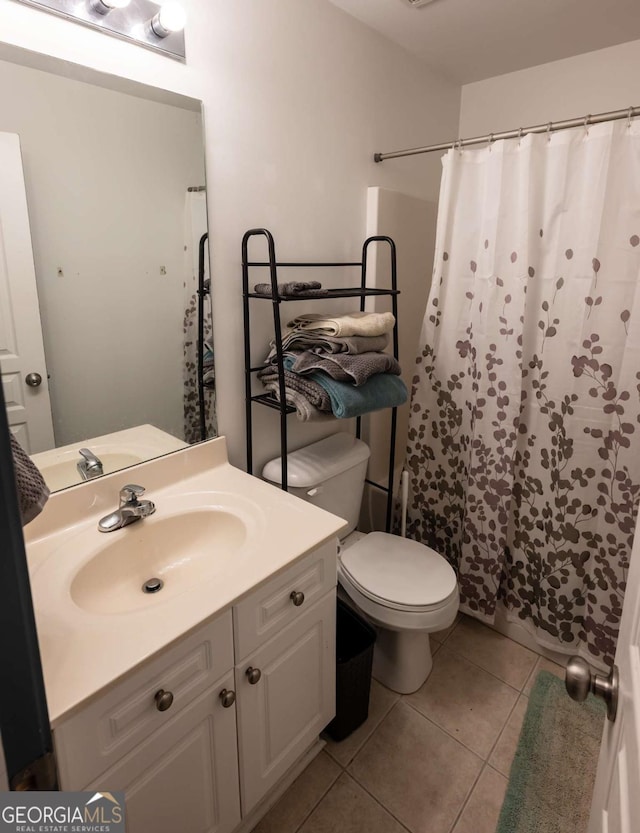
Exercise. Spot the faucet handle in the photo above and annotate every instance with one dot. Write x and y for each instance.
(130, 494)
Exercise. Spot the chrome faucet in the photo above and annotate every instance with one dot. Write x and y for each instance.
(90, 466)
(131, 509)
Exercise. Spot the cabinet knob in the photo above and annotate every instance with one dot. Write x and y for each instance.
(297, 597)
(163, 699)
(253, 675)
(227, 698)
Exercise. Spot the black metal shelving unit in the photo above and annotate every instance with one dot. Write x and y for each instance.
(267, 399)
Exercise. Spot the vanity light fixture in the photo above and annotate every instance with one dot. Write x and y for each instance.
(170, 18)
(155, 25)
(106, 6)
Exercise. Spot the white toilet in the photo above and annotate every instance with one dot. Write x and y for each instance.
(405, 589)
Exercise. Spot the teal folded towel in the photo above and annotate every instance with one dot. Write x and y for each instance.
(384, 390)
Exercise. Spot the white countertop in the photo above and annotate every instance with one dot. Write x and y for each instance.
(84, 652)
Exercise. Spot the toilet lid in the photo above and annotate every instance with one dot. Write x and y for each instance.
(399, 570)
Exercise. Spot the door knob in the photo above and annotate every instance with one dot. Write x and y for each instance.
(34, 380)
(580, 681)
(227, 698)
(253, 675)
(163, 699)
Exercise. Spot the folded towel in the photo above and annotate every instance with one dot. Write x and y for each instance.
(305, 289)
(309, 388)
(345, 368)
(33, 492)
(384, 390)
(350, 324)
(319, 343)
(305, 411)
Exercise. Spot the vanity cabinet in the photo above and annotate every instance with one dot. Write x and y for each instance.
(202, 732)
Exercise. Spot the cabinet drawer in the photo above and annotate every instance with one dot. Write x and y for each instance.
(112, 724)
(263, 613)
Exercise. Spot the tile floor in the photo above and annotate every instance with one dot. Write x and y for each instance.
(435, 761)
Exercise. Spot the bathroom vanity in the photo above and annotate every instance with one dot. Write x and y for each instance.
(204, 700)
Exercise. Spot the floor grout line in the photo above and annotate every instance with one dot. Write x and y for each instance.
(468, 798)
(322, 797)
(497, 740)
(486, 670)
(453, 737)
(369, 736)
(378, 801)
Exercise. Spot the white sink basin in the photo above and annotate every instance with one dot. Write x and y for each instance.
(193, 540)
(180, 550)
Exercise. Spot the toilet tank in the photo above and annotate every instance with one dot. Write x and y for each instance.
(329, 473)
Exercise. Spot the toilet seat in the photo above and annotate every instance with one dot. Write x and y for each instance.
(399, 574)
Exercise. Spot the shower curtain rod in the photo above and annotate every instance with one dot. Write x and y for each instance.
(551, 127)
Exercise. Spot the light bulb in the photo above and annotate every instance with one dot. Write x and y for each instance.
(170, 18)
(106, 6)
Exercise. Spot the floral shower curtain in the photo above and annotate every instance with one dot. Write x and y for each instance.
(195, 223)
(524, 439)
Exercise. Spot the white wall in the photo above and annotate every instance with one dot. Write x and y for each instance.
(297, 97)
(106, 176)
(595, 82)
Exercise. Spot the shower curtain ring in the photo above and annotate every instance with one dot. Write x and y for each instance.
(519, 136)
(490, 141)
(629, 117)
(549, 126)
(587, 119)
(459, 144)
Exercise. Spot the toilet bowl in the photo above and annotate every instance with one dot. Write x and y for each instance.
(404, 588)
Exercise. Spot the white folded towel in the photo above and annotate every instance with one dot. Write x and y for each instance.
(350, 324)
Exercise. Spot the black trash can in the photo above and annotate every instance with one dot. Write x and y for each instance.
(354, 658)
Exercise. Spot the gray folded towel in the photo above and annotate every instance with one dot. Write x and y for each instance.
(344, 367)
(305, 411)
(305, 289)
(33, 492)
(322, 343)
(312, 391)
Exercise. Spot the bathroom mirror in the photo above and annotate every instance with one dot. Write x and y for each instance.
(114, 223)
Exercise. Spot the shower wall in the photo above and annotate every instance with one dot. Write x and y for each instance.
(411, 223)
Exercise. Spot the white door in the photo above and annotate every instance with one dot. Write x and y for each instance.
(616, 796)
(21, 347)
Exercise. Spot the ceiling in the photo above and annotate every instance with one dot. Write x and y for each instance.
(468, 40)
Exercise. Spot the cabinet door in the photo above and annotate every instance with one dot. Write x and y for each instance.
(281, 713)
(185, 776)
